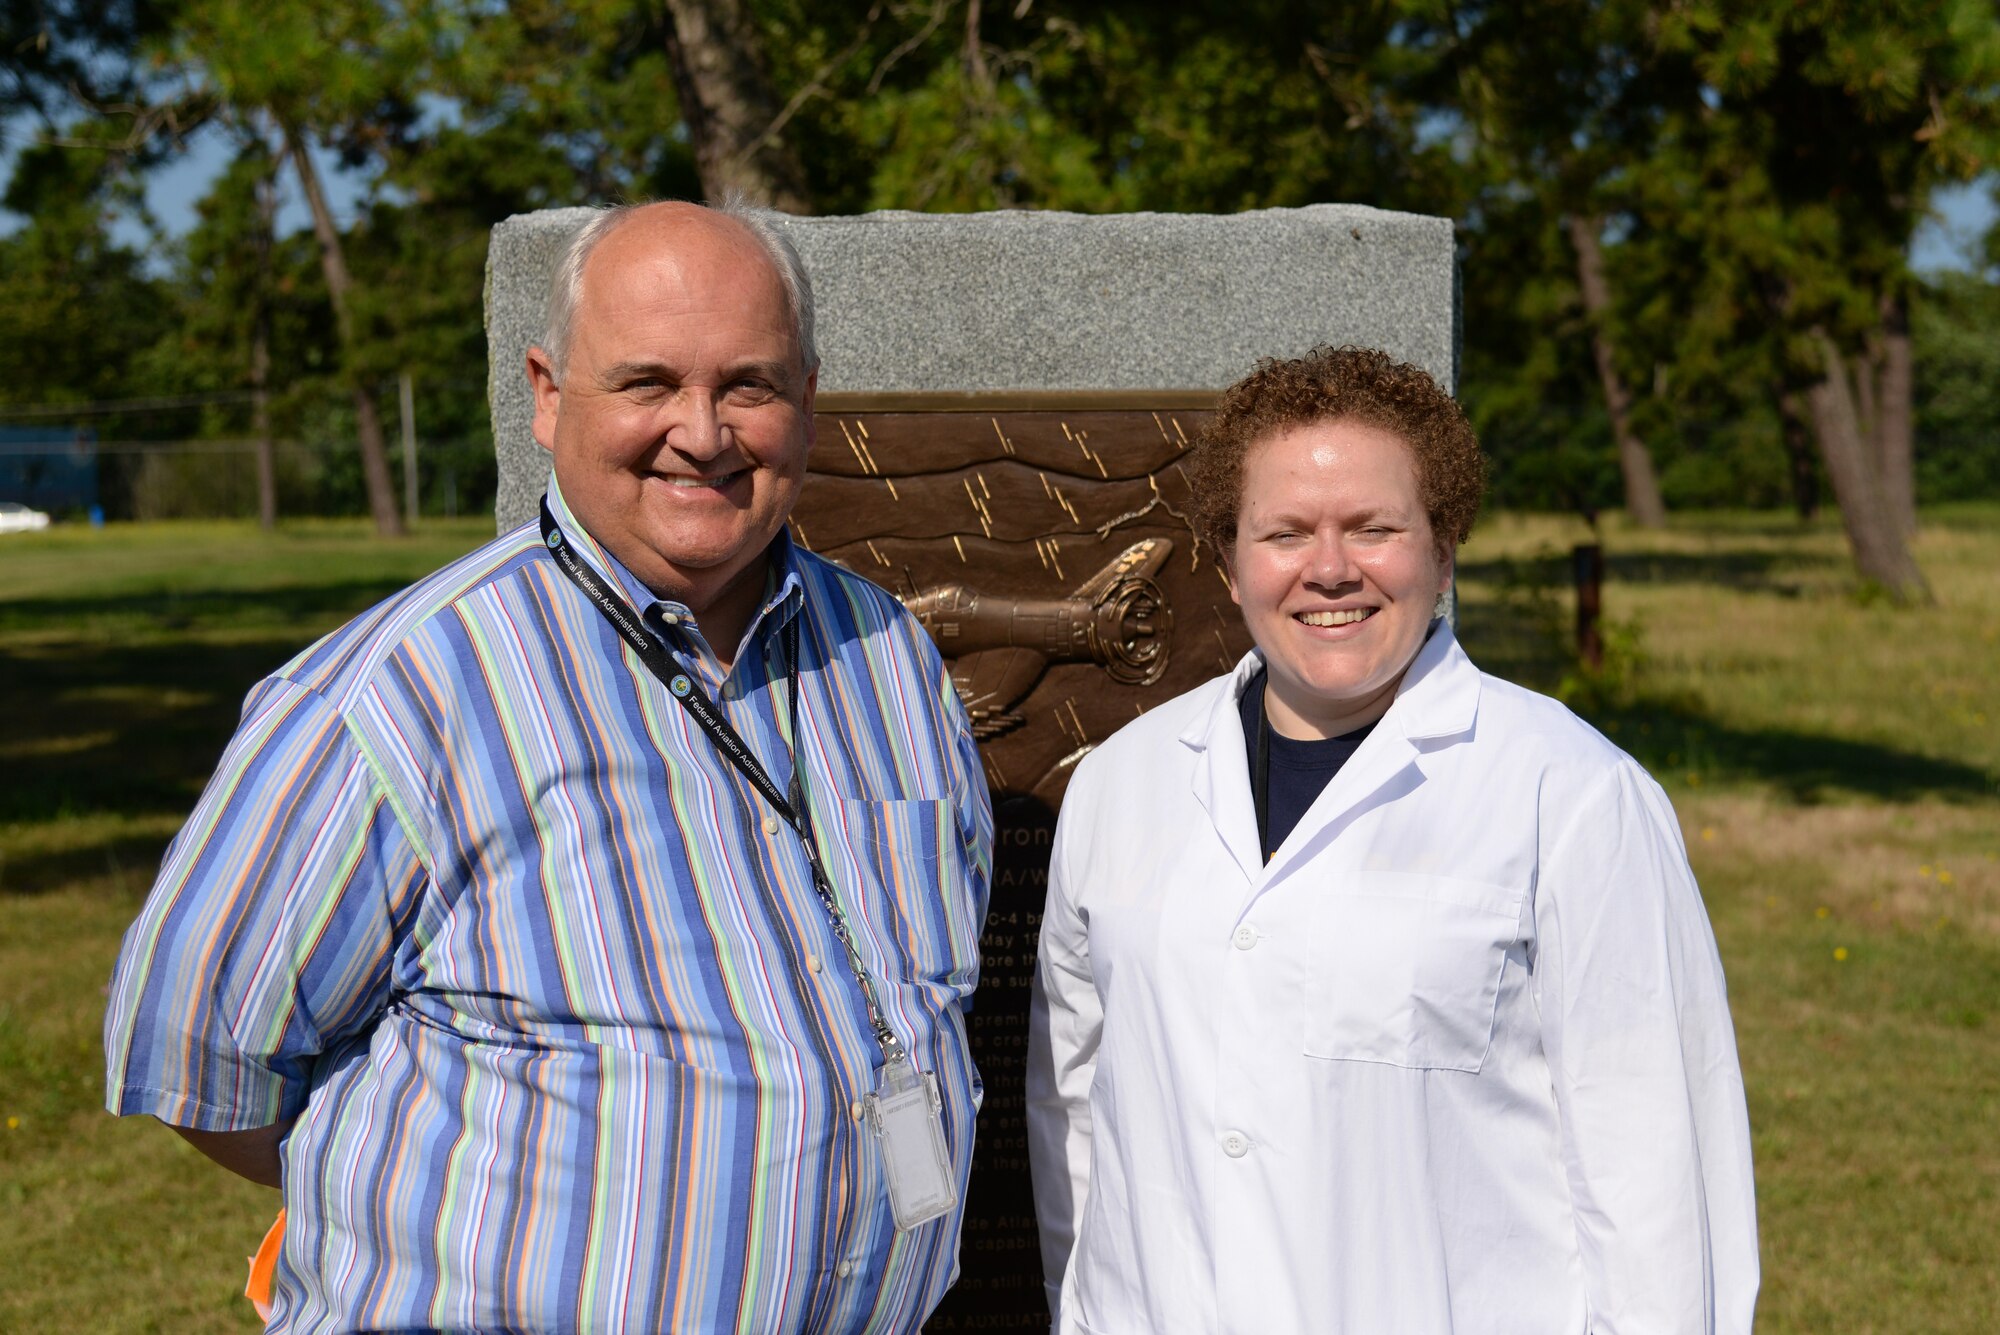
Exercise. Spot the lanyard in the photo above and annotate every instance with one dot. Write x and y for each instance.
(790, 804)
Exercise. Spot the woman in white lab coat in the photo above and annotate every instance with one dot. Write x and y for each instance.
(1375, 994)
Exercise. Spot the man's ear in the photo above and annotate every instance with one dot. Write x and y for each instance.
(1228, 567)
(548, 398)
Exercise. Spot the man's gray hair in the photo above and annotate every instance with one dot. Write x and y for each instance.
(566, 285)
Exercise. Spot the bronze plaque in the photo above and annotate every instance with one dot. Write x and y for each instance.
(1046, 549)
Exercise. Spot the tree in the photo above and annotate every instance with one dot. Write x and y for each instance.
(77, 310)
(59, 58)
(228, 302)
(1830, 124)
(312, 68)
(729, 108)
(1635, 462)
(1955, 330)
(1559, 98)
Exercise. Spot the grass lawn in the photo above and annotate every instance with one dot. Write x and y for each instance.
(1835, 762)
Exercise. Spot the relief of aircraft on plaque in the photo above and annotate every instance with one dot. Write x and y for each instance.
(999, 647)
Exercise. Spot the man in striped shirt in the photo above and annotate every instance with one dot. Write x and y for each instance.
(483, 950)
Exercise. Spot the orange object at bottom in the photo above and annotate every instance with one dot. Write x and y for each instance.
(258, 1290)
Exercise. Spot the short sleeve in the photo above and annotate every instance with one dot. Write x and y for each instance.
(269, 937)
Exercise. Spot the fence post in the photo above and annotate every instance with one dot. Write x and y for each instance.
(409, 414)
(1588, 563)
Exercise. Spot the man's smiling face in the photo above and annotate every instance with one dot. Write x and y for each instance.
(1336, 570)
(681, 423)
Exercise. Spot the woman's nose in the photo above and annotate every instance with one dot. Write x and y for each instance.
(1332, 561)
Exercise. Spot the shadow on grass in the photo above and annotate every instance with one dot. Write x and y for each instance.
(1784, 573)
(320, 605)
(1672, 741)
(100, 731)
(130, 861)
(1674, 737)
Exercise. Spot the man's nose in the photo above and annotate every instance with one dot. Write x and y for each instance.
(694, 426)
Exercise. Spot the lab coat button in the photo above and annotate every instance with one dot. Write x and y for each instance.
(1246, 937)
(1235, 1144)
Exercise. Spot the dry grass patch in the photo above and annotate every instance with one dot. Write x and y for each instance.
(1915, 866)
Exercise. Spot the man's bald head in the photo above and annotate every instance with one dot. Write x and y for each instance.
(761, 225)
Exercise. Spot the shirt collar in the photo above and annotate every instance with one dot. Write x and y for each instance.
(784, 590)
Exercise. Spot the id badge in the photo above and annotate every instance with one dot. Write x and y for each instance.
(905, 1113)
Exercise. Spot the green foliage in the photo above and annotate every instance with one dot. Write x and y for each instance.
(1827, 127)
(1956, 325)
(77, 310)
(1757, 170)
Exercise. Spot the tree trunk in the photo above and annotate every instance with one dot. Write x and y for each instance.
(1642, 487)
(1861, 376)
(1880, 552)
(727, 102)
(975, 49)
(260, 357)
(367, 418)
(1799, 454)
(1895, 426)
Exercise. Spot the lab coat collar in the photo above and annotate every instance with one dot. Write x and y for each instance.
(1435, 706)
(1221, 768)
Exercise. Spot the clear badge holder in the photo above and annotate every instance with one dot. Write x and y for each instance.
(905, 1113)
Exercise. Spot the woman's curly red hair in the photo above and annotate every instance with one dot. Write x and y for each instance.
(1346, 384)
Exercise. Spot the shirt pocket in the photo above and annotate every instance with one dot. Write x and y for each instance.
(905, 859)
(1404, 970)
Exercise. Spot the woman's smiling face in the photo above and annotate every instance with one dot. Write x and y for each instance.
(1336, 570)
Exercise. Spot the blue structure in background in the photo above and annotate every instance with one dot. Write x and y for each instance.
(52, 468)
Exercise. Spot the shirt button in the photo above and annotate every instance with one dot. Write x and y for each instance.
(770, 825)
(854, 1110)
(1246, 937)
(844, 1269)
(812, 962)
(1235, 1144)
(670, 618)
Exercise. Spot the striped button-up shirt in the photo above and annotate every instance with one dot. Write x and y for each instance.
(569, 1037)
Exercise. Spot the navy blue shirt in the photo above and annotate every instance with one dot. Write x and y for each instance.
(1299, 770)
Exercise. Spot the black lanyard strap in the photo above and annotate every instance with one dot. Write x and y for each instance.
(791, 804)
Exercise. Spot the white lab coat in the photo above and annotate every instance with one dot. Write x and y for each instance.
(1458, 1061)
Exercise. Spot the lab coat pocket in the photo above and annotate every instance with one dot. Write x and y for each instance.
(1404, 969)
